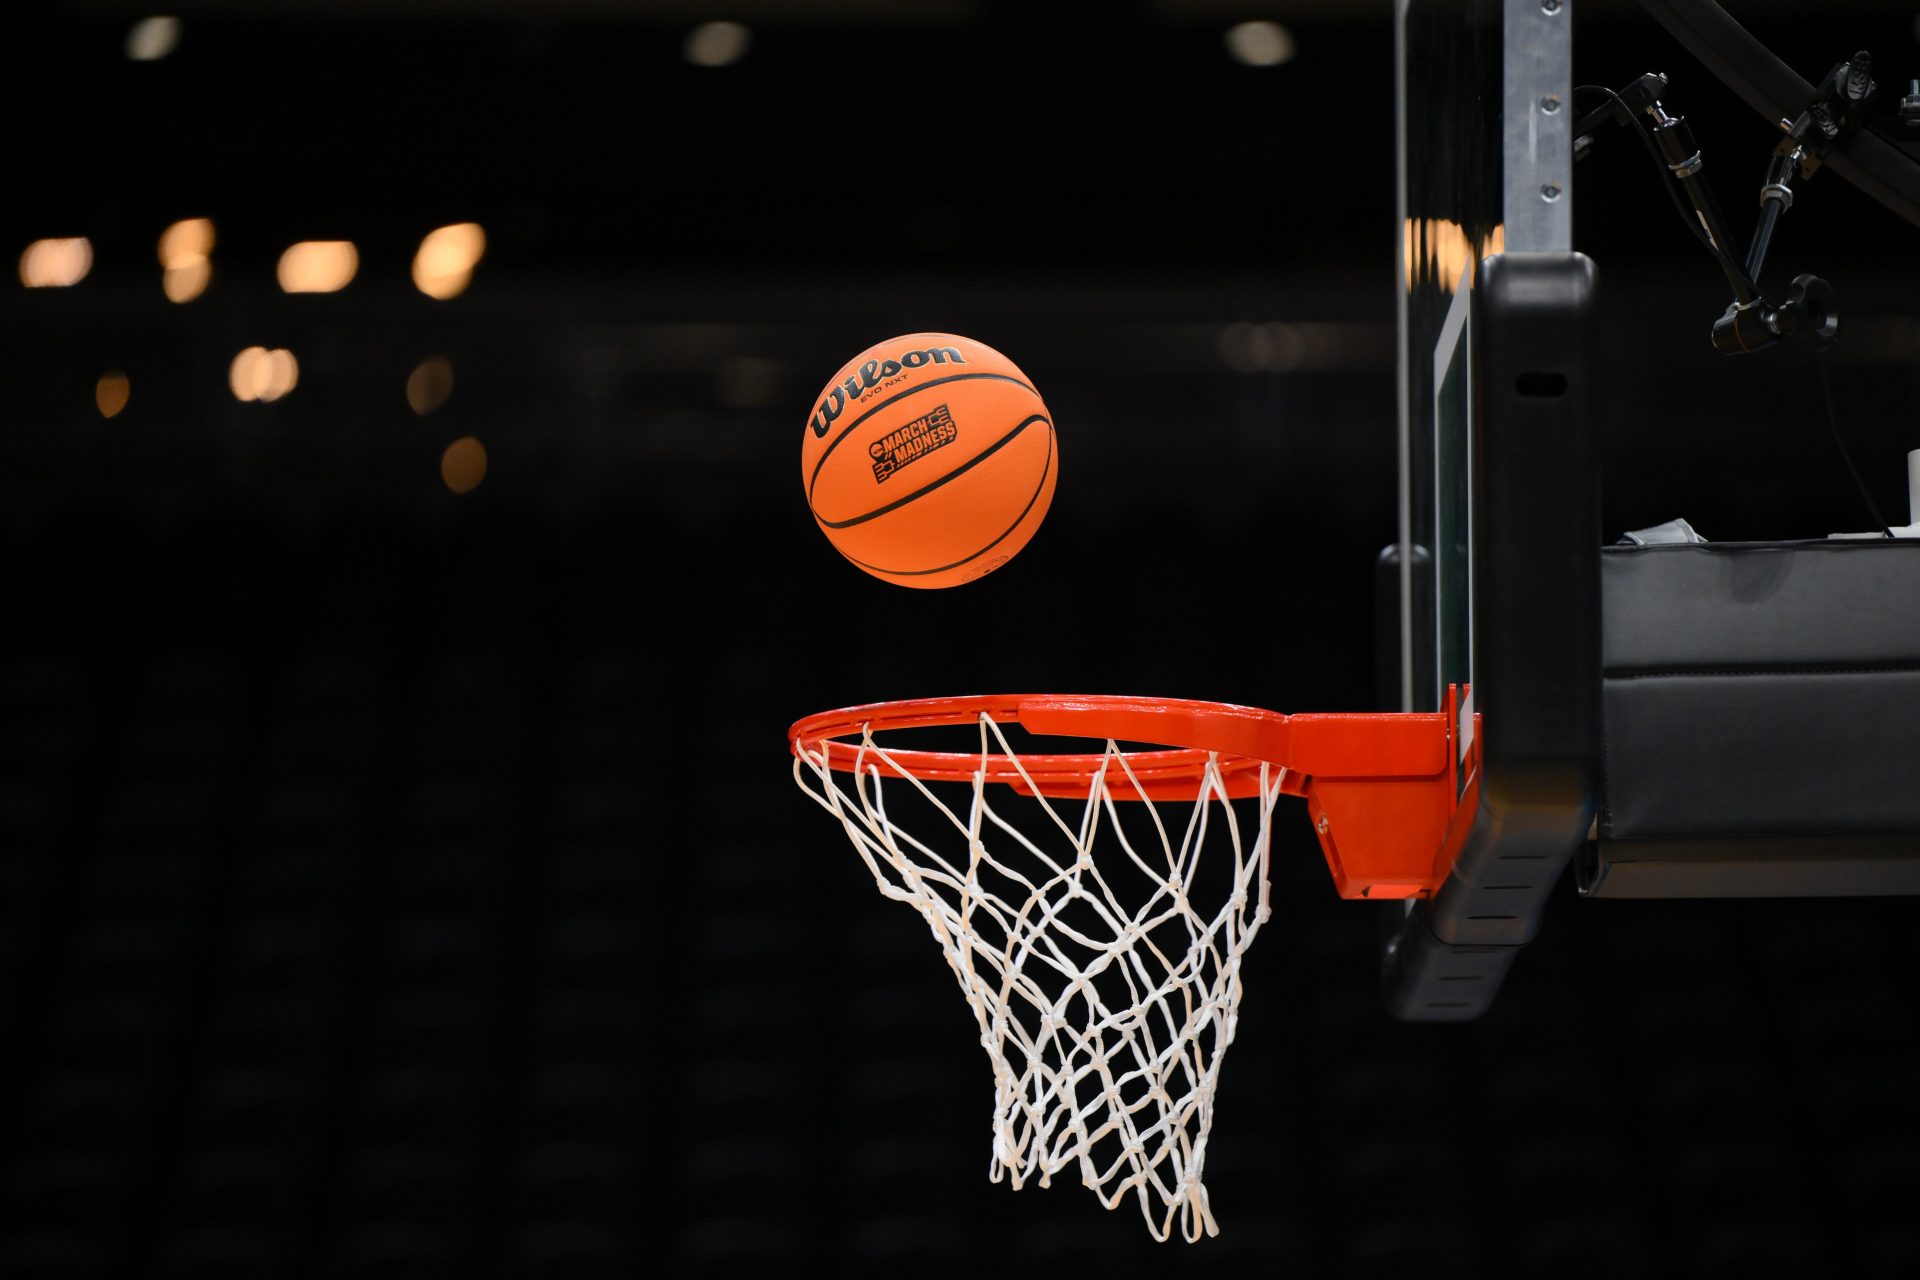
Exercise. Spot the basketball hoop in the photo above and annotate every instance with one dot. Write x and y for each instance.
(1107, 991)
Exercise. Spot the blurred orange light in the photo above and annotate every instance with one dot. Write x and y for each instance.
(184, 284)
(1276, 345)
(241, 373)
(259, 374)
(183, 251)
(152, 39)
(464, 465)
(111, 392)
(186, 241)
(717, 44)
(1441, 251)
(55, 264)
(1260, 44)
(429, 385)
(318, 266)
(444, 265)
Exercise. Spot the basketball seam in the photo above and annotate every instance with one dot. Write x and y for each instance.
(1017, 522)
(954, 474)
(814, 479)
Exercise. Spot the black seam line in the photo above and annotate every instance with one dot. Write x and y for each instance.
(952, 377)
(1628, 550)
(1603, 808)
(1018, 520)
(1722, 673)
(1788, 843)
(954, 474)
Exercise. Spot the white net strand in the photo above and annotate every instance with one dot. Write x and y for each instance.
(1106, 1025)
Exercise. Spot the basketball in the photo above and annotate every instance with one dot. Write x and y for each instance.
(929, 460)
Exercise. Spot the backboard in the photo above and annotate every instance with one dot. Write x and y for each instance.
(1498, 540)
(1485, 150)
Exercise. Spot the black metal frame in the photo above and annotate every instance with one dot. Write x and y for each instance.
(1869, 161)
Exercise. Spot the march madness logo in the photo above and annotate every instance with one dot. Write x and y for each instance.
(912, 442)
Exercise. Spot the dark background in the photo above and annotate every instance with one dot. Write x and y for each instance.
(401, 882)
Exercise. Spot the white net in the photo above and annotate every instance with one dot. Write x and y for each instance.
(1106, 993)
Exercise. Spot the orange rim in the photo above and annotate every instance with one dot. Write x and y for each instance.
(1389, 798)
(1175, 769)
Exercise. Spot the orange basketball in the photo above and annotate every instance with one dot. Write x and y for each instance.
(929, 460)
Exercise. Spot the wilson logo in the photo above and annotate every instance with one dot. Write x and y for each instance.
(912, 442)
(871, 375)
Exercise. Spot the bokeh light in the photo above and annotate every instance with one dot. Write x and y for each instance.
(258, 373)
(55, 264)
(443, 266)
(184, 256)
(1440, 250)
(186, 240)
(749, 382)
(184, 284)
(152, 39)
(429, 385)
(1260, 44)
(717, 44)
(318, 266)
(464, 465)
(111, 393)
(1250, 348)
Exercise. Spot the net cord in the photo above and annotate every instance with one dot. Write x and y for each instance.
(1079, 1068)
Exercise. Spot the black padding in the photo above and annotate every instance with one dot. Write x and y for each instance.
(1536, 636)
(1762, 754)
(1762, 720)
(1768, 605)
(1536, 523)
(1428, 980)
(1753, 867)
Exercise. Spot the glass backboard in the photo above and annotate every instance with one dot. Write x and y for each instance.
(1485, 154)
